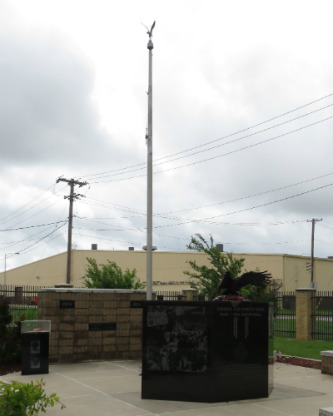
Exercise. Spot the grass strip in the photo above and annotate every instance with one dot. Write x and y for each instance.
(304, 349)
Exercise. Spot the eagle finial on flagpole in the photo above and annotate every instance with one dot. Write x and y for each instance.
(150, 32)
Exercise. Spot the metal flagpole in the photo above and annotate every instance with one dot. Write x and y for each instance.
(149, 138)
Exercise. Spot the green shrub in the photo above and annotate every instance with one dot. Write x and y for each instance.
(263, 294)
(10, 337)
(206, 279)
(5, 316)
(20, 399)
(28, 312)
(110, 276)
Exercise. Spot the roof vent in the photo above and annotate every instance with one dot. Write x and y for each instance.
(219, 246)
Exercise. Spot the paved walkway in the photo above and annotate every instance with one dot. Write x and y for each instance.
(114, 388)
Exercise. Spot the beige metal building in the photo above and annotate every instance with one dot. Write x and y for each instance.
(168, 268)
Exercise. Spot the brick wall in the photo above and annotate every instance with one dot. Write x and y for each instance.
(304, 321)
(92, 323)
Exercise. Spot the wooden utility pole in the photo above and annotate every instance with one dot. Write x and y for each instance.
(71, 197)
(313, 221)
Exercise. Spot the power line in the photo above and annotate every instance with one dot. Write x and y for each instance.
(142, 165)
(33, 226)
(28, 238)
(247, 209)
(108, 205)
(29, 247)
(220, 155)
(16, 212)
(261, 123)
(246, 147)
(37, 202)
(253, 195)
(243, 137)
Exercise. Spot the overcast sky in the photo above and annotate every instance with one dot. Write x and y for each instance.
(242, 124)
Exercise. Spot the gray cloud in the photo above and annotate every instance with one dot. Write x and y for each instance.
(47, 114)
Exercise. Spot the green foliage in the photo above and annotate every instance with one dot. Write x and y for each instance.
(22, 313)
(10, 337)
(5, 316)
(110, 276)
(207, 279)
(20, 399)
(263, 294)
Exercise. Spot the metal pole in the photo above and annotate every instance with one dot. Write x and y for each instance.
(5, 272)
(4, 276)
(149, 277)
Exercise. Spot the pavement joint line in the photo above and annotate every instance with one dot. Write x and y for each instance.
(122, 366)
(283, 379)
(82, 384)
(76, 397)
(96, 390)
(271, 409)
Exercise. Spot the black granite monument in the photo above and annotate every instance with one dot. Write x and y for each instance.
(206, 351)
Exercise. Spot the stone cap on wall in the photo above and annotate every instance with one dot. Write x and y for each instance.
(88, 290)
(326, 353)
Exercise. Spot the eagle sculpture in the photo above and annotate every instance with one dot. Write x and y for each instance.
(150, 32)
(231, 286)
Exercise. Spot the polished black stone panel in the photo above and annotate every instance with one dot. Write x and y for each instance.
(206, 351)
(103, 326)
(67, 304)
(35, 353)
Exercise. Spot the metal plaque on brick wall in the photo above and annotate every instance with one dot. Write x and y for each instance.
(136, 303)
(102, 326)
(67, 304)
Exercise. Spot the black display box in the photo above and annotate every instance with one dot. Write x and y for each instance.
(35, 353)
(206, 351)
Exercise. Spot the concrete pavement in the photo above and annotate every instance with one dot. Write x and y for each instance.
(99, 388)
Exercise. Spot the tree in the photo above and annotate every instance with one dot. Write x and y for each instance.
(207, 279)
(110, 276)
(263, 294)
(10, 336)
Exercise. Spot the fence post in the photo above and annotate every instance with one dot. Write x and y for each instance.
(190, 294)
(304, 321)
(18, 294)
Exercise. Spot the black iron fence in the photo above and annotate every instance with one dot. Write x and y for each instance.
(19, 295)
(22, 301)
(285, 320)
(169, 295)
(176, 295)
(322, 316)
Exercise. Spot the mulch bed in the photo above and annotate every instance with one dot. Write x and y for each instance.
(9, 368)
(302, 362)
